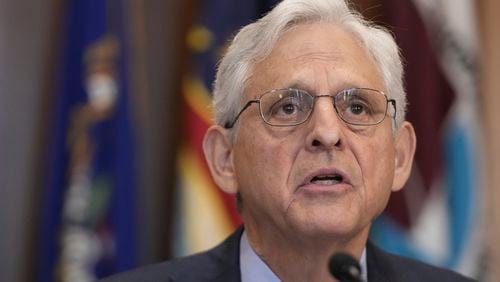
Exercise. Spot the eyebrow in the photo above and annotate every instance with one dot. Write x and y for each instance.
(299, 84)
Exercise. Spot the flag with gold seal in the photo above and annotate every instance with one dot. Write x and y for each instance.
(88, 216)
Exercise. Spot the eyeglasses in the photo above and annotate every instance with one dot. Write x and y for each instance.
(290, 107)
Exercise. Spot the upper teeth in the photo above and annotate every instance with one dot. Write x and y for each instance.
(327, 179)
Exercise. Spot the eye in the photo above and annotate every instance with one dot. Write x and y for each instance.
(355, 104)
(357, 108)
(286, 106)
(360, 106)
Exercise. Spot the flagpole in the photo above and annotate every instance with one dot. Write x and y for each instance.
(490, 86)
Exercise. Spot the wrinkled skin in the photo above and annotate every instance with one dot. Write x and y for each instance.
(293, 222)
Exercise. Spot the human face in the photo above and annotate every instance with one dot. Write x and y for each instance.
(277, 169)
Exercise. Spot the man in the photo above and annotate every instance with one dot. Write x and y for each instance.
(310, 136)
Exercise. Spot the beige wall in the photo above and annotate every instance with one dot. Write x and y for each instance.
(490, 91)
(23, 41)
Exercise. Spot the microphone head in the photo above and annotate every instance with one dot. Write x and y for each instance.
(345, 268)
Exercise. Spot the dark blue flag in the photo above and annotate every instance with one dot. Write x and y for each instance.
(88, 215)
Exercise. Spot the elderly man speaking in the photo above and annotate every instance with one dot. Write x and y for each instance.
(311, 137)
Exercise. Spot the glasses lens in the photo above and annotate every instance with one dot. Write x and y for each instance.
(286, 107)
(361, 106)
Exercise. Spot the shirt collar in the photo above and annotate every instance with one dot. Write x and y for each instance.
(254, 269)
(364, 269)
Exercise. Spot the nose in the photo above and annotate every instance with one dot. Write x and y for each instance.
(324, 126)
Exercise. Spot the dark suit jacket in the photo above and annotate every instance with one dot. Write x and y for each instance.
(222, 264)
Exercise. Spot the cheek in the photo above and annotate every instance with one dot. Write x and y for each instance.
(263, 167)
(376, 160)
(268, 153)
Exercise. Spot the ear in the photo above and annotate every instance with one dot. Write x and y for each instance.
(218, 151)
(405, 150)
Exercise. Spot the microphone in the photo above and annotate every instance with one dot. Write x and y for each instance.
(345, 268)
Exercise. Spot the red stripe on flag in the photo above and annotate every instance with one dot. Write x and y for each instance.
(194, 131)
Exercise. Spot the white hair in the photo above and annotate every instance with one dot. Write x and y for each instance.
(255, 41)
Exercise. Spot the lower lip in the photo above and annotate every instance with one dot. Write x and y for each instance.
(325, 189)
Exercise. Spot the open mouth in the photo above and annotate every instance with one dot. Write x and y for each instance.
(327, 179)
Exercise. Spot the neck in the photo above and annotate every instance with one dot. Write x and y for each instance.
(297, 258)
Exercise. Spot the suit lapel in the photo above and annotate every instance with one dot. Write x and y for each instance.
(227, 257)
(222, 262)
(377, 267)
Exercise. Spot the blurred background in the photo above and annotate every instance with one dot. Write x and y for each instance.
(103, 105)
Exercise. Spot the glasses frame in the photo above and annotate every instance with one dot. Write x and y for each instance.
(229, 125)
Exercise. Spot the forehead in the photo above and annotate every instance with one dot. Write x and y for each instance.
(316, 54)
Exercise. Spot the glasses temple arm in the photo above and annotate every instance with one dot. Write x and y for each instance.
(229, 125)
(393, 103)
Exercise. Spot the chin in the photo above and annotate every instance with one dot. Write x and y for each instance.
(329, 228)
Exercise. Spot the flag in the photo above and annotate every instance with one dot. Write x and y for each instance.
(437, 217)
(88, 216)
(204, 214)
